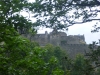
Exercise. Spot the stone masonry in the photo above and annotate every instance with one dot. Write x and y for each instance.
(73, 44)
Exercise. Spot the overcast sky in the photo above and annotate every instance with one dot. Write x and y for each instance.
(86, 30)
(79, 29)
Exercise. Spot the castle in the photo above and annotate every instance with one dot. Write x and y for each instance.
(73, 44)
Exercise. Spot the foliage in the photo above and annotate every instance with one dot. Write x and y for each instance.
(10, 16)
(58, 72)
(64, 62)
(61, 14)
(98, 71)
(94, 54)
(19, 56)
(81, 66)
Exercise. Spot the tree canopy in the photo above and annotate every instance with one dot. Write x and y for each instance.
(64, 13)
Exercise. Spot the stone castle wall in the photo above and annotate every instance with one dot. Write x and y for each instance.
(73, 44)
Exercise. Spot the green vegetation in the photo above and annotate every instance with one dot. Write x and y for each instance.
(19, 56)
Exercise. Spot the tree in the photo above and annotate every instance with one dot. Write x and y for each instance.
(22, 57)
(94, 54)
(63, 62)
(61, 14)
(81, 66)
(18, 55)
(10, 16)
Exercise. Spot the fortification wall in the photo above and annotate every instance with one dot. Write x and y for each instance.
(74, 49)
(73, 44)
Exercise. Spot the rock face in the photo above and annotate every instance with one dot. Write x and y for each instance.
(73, 44)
